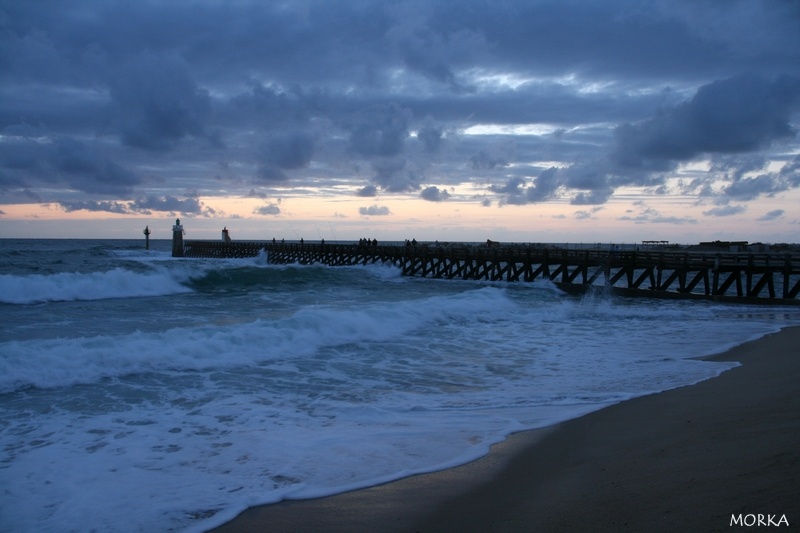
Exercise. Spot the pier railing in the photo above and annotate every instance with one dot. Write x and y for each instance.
(741, 277)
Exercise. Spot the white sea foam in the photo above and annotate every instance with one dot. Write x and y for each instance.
(68, 361)
(116, 283)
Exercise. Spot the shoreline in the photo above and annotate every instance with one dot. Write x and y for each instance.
(690, 457)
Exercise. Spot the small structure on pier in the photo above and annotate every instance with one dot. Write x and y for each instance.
(146, 237)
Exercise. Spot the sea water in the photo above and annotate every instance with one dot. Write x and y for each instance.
(140, 392)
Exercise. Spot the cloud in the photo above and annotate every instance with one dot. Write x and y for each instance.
(396, 174)
(367, 191)
(432, 52)
(544, 186)
(156, 103)
(291, 150)
(91, 205)
(496, 156)
(772, 215)
(750, 188)
(513, 187)
(732, 120)
(649, 215)
(85, 169)
(374, 211)
(530, 102)
(255, 194)
(380, 130)
(674, 220)
(145, 205)
(64, 160)
(748, 177)
(725, 211)
(279, 106)
(269, 209)
(733, 115)
(597, 197)
(286, 151)
(431, 138)
(434, 194)
(590, 176)
(187, 206)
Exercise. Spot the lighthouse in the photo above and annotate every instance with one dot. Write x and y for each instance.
(177, 239)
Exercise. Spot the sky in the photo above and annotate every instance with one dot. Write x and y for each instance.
(449, 120)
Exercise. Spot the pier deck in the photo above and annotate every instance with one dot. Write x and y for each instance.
(764, 278)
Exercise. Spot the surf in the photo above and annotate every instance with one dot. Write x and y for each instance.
(75, 286)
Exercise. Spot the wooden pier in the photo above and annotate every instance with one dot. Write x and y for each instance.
(763, 278)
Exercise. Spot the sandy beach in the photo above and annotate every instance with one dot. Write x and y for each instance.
(693, 458)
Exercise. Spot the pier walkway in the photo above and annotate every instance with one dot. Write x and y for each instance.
(764, 278)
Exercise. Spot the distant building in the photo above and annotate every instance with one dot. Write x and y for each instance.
(728, 246)
(758, 247)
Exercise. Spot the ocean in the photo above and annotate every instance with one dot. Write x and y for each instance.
(141, 392)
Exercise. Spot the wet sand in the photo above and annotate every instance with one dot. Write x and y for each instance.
(685, 459)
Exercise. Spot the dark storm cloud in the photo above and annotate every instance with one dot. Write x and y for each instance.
(286, 151)
(292, 150)
(433, 52)
(731, 120)
(156, 103)
(379, 134)
(431, 138)
(494, 156)
(396, 174)
(80, 166)
(587, 176)
(379, 131)
(114, 99)
(274, 106)
(735, 115)
(485, 161)
(86, 170)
